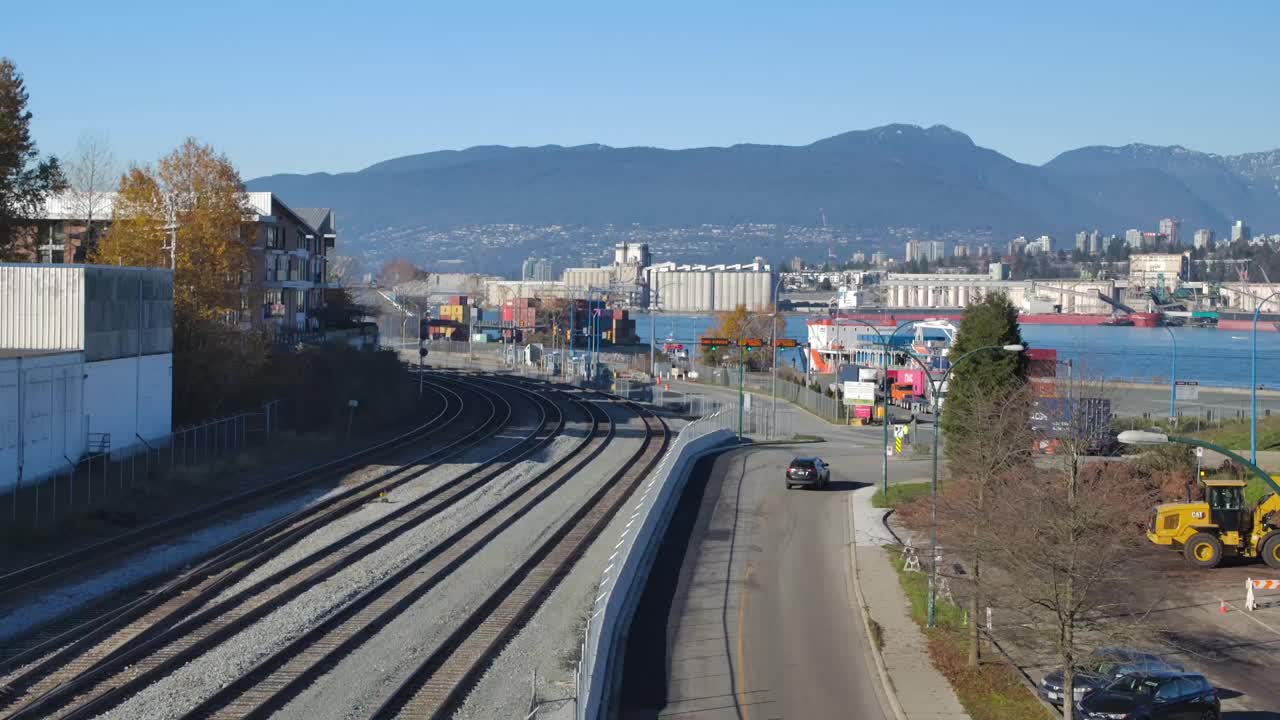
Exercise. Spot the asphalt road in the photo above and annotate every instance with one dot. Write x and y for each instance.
(748, 612)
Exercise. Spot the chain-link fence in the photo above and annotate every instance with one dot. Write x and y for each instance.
(116, 467)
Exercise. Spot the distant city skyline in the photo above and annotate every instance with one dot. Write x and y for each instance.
(292, 87)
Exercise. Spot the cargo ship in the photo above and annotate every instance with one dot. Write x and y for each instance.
(839, 341)
(1123, 316)
(892, 317)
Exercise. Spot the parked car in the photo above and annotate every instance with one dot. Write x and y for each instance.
(810, 471)
(1100, 669)
(1153, 696)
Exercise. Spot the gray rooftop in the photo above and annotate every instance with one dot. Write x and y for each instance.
(319, 220)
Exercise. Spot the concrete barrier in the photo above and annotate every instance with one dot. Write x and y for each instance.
(623, 580)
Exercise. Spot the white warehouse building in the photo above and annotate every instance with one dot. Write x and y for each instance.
(86, 364)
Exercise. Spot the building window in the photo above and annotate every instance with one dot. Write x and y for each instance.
(274, 237)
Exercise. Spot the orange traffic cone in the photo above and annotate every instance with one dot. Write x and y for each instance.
(1223, 607)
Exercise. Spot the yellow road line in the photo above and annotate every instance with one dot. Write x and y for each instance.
(742, 658)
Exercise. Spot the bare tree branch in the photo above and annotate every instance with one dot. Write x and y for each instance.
(92, 175)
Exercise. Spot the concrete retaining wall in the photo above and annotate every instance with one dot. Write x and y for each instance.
(623, 581)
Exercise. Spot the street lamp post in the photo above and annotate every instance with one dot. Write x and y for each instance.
(1253, 382)
(937, 421)
(1173, 378)
(1143, 437)
(884, 423)
(773, 364)
(653, 320)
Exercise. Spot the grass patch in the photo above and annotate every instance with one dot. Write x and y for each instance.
(1234, 435)
(1256, 490)
(900, 494)
(991, 691)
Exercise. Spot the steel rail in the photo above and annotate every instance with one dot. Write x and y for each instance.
(439, 682)
(81, 648)
(278, 678)
(96, 553)
(87, 691)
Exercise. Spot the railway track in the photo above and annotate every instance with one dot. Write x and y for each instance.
(95, 674)
(440, 682)
(30, 576)
(55, 661)
(22, 650)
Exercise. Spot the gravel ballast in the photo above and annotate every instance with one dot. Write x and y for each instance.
(202, 677)
(549, 643)
(358, 684)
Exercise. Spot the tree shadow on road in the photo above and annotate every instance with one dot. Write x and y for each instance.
(840, 486)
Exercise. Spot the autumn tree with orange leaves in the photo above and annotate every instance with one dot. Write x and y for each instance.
(188, 212)
(194, 197)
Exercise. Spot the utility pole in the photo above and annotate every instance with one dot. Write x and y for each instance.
(773, 348)
(653, 337)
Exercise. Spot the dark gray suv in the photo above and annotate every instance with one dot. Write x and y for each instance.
(810, 471)
(1102, 668)
(1153, 696)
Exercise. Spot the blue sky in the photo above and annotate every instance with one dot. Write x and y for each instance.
(286, 86)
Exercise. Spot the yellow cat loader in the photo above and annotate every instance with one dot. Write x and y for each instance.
(1223, 524)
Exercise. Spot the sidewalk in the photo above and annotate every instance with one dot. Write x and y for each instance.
(918, 691)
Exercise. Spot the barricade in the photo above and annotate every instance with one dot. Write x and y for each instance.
(1252, 587)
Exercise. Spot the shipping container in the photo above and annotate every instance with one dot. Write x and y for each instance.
(1086, 418)
(1042, 362)
(848, 373)
(912, 377)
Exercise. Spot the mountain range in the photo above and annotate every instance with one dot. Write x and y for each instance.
(932, 178)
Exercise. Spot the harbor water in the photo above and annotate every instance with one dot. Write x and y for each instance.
(1219, 358)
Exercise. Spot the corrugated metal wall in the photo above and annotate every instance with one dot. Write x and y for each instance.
(128, 311)
(43, 307)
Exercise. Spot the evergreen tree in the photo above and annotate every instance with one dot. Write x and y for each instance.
(25, 179)
(993, 321)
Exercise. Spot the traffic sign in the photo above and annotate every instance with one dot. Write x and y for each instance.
(787, 343)
(1199, 452)
(751, 342)
(714, 342)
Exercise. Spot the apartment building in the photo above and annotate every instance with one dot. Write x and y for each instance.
(285, 287)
